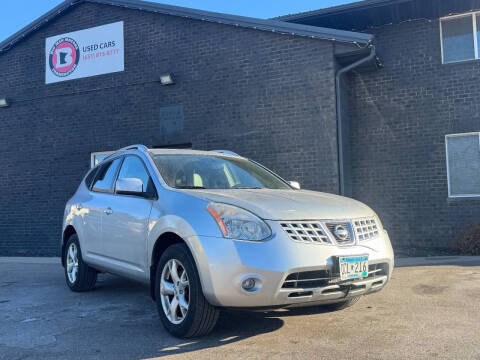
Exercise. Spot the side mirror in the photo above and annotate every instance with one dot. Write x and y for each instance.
(129, 186)
(295, 184)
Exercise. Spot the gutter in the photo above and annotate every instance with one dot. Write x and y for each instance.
(340, 140)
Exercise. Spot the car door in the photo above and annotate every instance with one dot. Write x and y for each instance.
(125, 225)
(94, 206)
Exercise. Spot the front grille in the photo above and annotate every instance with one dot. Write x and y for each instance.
(306, 231)
(330, 231)
(307, 279)
(365, 229)
(321, 278)
(347, 239)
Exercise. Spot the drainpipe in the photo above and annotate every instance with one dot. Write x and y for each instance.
(340, 72)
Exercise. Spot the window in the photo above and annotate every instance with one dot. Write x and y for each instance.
(133, 167)
(215, 172)
(463, 164)
(105, 176)
(459, 37)
(89, 177)
(96, 157)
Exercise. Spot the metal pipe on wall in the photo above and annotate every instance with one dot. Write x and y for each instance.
(340, 140)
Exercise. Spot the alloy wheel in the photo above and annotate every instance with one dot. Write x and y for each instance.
(175, 291)
(72, 263)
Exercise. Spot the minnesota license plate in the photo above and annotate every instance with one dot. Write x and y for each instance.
(353, 267)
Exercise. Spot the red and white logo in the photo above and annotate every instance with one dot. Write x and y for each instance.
(64, 56)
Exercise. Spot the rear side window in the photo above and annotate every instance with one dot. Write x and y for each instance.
(89, 178)
(105, 176)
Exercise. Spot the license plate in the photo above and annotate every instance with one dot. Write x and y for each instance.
(353, 267)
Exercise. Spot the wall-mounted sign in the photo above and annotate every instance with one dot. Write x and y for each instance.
(89, 52)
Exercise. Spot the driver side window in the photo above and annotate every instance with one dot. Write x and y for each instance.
(133, 167)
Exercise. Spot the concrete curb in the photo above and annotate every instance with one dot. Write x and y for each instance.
(30, 260)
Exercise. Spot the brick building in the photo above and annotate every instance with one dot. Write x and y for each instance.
(336, 99)
(403, 115)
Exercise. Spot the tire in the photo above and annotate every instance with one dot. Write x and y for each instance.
(199, 318)
(342, 305)
(85, 276)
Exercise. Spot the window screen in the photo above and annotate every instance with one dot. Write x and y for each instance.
(463, 161)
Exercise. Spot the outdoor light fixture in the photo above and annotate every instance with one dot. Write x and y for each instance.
(4, 102)
(167, 79)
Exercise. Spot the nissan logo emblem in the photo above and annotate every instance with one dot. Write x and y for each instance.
(340, 232)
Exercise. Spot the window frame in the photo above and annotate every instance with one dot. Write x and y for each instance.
(458, 196)
(473, 16)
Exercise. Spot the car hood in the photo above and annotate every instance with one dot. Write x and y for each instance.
(272, 204)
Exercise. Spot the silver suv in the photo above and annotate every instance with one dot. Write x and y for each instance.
(210, 229)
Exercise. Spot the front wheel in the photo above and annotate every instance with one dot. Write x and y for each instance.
(183, 309)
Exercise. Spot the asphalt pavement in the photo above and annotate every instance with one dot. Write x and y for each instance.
(430, 310)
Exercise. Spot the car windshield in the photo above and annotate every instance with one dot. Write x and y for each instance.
(214, 172)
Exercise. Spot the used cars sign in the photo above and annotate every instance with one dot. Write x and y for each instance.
(89, 52)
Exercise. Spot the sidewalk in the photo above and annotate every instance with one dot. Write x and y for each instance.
(438, 260)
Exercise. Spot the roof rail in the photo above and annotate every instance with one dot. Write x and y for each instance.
(227, 152)
(134, 147)
(140, 147)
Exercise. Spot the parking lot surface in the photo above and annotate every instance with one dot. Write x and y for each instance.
(424, 312)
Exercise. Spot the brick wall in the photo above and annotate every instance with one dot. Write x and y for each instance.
(264, 95)
(399, 118)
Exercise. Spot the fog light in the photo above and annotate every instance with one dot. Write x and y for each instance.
(248, 284)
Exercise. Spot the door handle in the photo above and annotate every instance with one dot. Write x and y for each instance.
(108, 211)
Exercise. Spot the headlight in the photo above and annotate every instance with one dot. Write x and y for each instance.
(237, 223)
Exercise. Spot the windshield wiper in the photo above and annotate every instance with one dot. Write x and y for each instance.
(189, 187)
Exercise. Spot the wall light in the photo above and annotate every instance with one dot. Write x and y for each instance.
(167, 79)
(4, 101)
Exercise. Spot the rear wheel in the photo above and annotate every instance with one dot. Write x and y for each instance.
(183, 309)
(79, 276)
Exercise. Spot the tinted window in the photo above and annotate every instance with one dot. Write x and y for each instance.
(89, 178)
(133, 167)
(105, 176)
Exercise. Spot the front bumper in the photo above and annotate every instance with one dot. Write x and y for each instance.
(224, 264)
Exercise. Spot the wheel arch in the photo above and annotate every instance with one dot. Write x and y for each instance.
(164, 241)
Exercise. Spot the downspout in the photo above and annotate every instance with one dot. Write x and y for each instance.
(340, 72)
